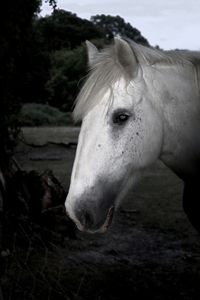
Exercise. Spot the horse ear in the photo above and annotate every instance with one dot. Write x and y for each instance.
(92, 52)
(126, 57)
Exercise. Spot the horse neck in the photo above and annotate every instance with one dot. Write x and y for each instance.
(179, 104)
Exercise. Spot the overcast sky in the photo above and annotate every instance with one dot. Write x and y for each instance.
(170, 24)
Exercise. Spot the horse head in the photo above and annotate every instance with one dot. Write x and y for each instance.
(121, 134)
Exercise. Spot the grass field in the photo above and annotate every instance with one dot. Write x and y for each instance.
(150, 252)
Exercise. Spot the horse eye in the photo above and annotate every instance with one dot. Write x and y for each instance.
(120, 118)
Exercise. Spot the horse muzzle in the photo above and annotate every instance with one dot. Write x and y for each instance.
(88, 220)
(89, 225)
(93, 209)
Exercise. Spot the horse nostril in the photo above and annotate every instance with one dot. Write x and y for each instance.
(86, 219)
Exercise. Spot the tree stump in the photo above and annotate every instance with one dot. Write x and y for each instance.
(37, 196)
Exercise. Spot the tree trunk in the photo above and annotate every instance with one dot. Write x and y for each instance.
(37, 201)
(1, 294)
(1, 228)
(2, 190)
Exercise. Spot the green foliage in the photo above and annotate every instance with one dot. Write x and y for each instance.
(58, 58)
(32, 114)
(64, 30)
(52, 3)
(60, 39)
(16, 19)
(115, 25)
(67, 69)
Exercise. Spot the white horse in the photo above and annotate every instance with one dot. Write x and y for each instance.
(138, 105)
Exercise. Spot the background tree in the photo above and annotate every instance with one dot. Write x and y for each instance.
(67, 68)
(16, 18)
(114, 25)
(60, 38)
(64, 30)
(15, 55)
(59, 57)
(67, 72)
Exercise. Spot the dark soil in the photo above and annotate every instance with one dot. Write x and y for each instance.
(150, 252)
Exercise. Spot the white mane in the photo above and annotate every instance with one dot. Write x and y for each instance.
(107, 70)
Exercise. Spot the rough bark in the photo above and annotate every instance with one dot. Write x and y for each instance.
(38, 197)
